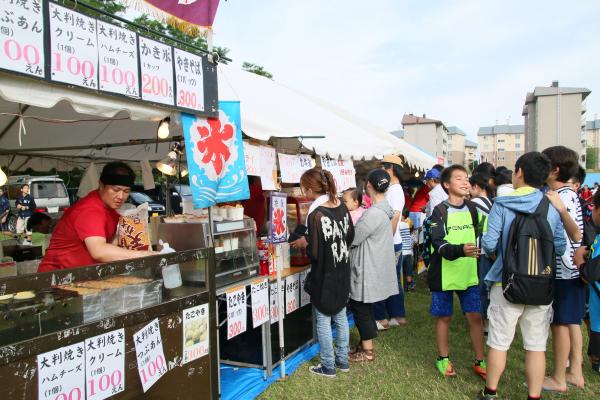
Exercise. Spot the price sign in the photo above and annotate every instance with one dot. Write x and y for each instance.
(343, 172)
(236, 312)
(149, 353)
(293, 166)
(156, 61)
(304, 297)
(118, 60)
(61, 373)
(260, 302)
(268, 167)
(252, 155)
(22, 36)
(105, 365)
(278, 218)
(189, 78)
(195, 333)
(73, 47)
(273, 300)
(292, 293)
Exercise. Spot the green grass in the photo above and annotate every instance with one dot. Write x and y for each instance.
(404, 368)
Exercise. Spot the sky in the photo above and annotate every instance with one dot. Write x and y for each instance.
(468, 63)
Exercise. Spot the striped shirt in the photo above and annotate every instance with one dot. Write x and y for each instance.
(565, 268)
(407, 242)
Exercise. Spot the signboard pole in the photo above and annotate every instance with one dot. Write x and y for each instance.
(280, 304)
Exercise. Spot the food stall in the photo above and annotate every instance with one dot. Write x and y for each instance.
(73, 89)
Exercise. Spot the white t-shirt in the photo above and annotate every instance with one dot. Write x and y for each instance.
(565, 268)
(437, 195)
(395, 196)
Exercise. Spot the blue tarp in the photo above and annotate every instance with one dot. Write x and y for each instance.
(248, 383)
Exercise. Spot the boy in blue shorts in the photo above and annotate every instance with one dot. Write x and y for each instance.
(453, 267)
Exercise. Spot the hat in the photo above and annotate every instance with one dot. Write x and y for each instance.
(379, 179)
(393, 159)
(432, 174)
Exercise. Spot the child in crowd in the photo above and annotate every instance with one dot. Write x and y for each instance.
(353, 200)
(503, 181)
(407, 250)
(531, 170)
(569, 294)
(453, 267)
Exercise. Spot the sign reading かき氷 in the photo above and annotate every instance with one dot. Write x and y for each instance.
(215, 156)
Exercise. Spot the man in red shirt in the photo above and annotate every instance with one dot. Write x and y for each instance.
(84, 234)
(417, 206)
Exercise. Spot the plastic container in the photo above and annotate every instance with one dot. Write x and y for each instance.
(171, 273)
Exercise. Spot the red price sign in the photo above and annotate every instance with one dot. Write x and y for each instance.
(74, 394)
(61, 373)
(259, 292)
(236, 312)
(292, 293)
(105, 383)
(153, 370)
(118, 60)
(189, 76)
(195, 333)
(105, 365)
(156, 60)
(149, 354)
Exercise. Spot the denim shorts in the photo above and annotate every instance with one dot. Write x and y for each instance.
(442, 302)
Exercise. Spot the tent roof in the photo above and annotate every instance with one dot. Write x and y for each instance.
(269, 110)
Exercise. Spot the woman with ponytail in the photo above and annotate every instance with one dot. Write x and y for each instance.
(330, 234)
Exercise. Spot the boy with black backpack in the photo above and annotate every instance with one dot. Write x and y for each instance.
(524, 233)
(455, 227)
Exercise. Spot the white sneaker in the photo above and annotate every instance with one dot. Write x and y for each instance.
(381, 327)
(393, 322)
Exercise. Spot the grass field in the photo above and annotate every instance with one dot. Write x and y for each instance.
(404, 368)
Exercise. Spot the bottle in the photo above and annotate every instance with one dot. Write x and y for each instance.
(170, 273)
(263, 256)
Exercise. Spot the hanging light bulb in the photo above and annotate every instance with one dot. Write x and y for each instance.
(3, 177)
(167, 166)
(183, 171)
(163, 128)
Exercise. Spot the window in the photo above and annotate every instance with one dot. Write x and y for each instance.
(500, 158)
(517, 137)
(500, 140)
(500, 149)
(518, 146)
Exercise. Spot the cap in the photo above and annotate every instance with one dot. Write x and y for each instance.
(432, 174)
(379, 179)
(393, 159)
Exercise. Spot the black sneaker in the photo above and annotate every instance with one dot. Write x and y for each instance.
(483, 396)
(342, 367)
(322, 371)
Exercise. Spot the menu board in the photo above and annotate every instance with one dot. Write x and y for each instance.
(22, 37)
(268, 168)
(189, 78)
(252, 155)
(236, 312)
(292, 166)
(73, 47)
(278, 218)
(343, 172)
(156, 60)
(273, 300)
(105, 365)
(195, 333)
(149, 353)
(118, 60)
(259, 291)
(61, 373)
(292, 293)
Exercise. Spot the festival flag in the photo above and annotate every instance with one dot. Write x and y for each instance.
(215, 156)
(190, 16)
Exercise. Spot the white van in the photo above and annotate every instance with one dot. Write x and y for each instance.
(49, 193)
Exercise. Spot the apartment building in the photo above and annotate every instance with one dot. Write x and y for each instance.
(470, 153)
(430, 135)
(592, 144)
(553, 116)
(501, 145)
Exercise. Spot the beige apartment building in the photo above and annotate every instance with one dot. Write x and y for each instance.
(592, 144)
(430, 135)
(470, 153)
(460, 149)
(501, 145)
(553, 116)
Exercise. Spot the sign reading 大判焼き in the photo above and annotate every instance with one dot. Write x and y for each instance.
(118, 60)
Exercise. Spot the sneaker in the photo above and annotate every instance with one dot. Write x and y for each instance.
(480, 369)
(322, 371)
(342, 367)
(381, 327)
(445, 367)
(483, 396)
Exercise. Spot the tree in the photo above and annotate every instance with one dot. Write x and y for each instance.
(472, 165)
(256, 69)
(591, 158)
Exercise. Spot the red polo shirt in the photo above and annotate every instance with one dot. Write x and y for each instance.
(86, 218)
(420, 200)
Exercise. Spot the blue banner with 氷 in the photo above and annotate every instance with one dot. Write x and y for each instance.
(215, 156)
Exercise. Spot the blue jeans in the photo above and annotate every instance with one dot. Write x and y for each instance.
(393, 306)
(325, 338)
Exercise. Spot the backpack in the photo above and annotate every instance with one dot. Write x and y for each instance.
(488, 204)
(443, 207)
(530, 259)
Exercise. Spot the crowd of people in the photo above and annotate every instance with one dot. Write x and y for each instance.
(516, 247)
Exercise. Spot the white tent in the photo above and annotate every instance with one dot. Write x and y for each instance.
(269, 110)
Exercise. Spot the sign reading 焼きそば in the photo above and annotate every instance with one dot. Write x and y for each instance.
(215, 156)
(156, 61)
(118, 60)
(278, 218)
(22, 37)
(189, 80)
(73, 47)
